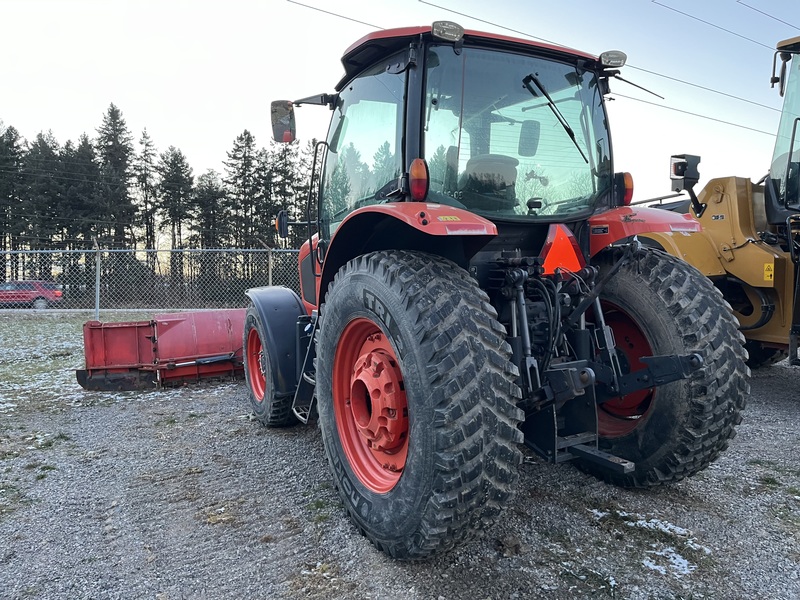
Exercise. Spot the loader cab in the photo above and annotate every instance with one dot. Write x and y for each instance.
(783, 184)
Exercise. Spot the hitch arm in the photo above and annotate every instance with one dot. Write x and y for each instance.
(659, 370)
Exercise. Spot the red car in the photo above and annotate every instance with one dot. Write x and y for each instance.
(32, 293)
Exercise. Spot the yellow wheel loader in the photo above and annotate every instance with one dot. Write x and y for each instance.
(749, 244)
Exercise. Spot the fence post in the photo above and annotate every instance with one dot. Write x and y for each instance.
(269, 259)
(97, 281)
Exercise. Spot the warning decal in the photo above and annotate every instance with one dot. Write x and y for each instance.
(769, 272)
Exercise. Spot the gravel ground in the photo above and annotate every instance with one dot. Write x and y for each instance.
(180, 494)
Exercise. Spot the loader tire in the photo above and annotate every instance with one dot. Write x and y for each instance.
(271, 408)
(760, 355)
(659, 305)
(417, 402)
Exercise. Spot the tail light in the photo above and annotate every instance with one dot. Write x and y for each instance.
(561, 251)
(628, 186)
(623, 189)
(58, 293)
(418, 181)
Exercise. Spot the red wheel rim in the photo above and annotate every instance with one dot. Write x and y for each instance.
(370, 406)
(622, 415)
(255, 364)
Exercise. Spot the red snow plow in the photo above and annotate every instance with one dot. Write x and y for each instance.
(171, 349)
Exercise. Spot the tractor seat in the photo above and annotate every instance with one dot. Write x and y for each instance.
(488, 182)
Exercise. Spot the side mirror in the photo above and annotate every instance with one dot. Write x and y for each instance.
(283, 126)
(683, 172)
(282, 224)
(683, 175)
(529, 138)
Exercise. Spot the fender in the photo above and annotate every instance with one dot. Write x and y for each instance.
(278, 310)
(694, 248)
(623, 222)
(453, 233)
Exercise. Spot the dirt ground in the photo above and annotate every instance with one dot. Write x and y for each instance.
(180, 494)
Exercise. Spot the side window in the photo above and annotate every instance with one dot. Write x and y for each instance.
(364, 156)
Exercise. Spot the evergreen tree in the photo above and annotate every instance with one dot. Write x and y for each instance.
(175, 193)
(358, 173)
(284, 194)
(305, 207)
(265, 208)
(11, 184)
(242, 182)
(437, 168)
(337, 190)
(80, 173)
(210, 201)
(42, 198)
(175, 206)
(384, 167)
(115, 151)
(144, 169)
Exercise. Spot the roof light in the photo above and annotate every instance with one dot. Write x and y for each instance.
(613, 59)
(447, 30)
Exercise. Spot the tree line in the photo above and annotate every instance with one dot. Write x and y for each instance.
(119, 194)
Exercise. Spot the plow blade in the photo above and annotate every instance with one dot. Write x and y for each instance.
(171, 349)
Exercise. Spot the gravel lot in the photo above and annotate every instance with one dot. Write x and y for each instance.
(179, 494)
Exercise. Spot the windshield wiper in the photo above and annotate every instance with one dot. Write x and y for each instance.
(527, 83)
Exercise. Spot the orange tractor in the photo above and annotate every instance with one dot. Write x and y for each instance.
(472, 281)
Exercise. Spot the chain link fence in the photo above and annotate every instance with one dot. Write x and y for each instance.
(142, 279)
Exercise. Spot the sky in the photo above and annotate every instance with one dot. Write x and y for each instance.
(197, 73)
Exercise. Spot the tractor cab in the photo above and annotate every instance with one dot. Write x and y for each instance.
(512, 130)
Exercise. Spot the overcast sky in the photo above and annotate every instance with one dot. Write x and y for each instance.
(197, 73)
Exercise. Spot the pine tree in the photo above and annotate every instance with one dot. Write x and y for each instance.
(80, 173)
(265, 208)
(175, 205)
(144, 169)
(11, 182)
(175, 193)
(115, 150)
(42, 198)
(305, 206)
(210, 201)
(384, 167)
(240, 171)
(284, 194)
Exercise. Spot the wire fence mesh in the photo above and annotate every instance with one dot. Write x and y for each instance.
(146, 279)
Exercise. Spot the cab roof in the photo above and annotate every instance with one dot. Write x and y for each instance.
(373, 46)
(790, 45)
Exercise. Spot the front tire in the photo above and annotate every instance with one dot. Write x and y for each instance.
(270, 407)
(659, 305)
(417, 402)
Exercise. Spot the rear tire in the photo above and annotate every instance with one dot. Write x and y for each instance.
(417, 402)
(764, 356)
(660, 305)
(40, 304)
(270, 408)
